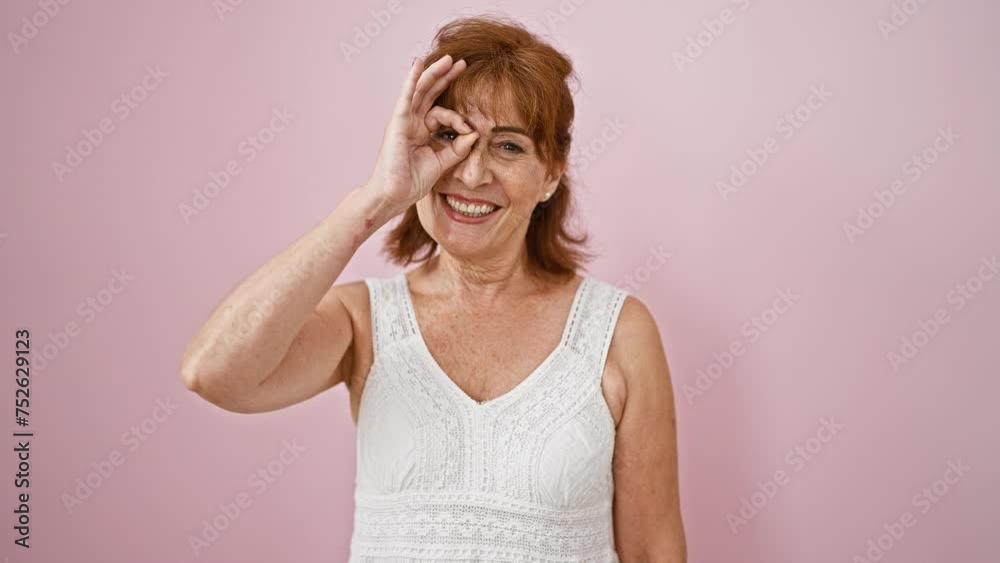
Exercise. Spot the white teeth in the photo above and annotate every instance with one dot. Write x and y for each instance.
(470, 210)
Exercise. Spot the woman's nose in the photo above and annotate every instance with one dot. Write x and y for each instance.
(473, 170)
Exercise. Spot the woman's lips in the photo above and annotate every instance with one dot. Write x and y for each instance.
(459, 217)
(470, 201)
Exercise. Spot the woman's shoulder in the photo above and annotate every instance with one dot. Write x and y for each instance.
(636, 321)
(634, 317)
(635, 327)
(636, 343)
(354, 296)
(354, 293)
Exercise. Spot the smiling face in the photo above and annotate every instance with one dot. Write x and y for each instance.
(482, 206)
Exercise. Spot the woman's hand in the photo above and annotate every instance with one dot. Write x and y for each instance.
(408, 166)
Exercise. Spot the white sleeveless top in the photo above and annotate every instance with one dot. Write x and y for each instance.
(526, 476)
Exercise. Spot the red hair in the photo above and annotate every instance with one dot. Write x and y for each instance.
(510, 71)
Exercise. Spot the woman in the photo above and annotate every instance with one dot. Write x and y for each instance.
(508, 408)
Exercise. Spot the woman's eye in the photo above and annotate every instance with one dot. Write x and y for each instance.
(511, 147)
(446, 134)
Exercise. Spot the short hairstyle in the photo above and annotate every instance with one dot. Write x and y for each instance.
(508, 70)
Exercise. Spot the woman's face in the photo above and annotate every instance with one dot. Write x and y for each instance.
(503, 172)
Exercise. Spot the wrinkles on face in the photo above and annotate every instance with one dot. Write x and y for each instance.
(503, 167)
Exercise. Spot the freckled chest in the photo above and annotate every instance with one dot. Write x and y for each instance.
(488, 353)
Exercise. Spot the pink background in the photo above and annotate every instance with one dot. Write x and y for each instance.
(652, 187)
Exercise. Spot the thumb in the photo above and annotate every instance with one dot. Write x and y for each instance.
(458, 150)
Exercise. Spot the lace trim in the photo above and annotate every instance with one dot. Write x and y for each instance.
(390, 323)
(474, 490)
(463, 525)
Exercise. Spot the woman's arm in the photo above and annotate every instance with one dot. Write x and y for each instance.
(282, 335)
(647, 511)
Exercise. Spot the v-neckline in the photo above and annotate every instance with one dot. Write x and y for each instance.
(517, 389)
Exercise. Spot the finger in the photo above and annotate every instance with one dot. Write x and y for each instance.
(431, 96)
(409, 85)
(457, 151)
(438, 116)
(428, 78)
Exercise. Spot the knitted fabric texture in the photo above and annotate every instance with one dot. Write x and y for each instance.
(526, 476)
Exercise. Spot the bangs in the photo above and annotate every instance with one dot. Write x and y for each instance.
(511, 77)
(498, 97)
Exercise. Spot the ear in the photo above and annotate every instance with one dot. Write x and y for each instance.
(552, 181)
